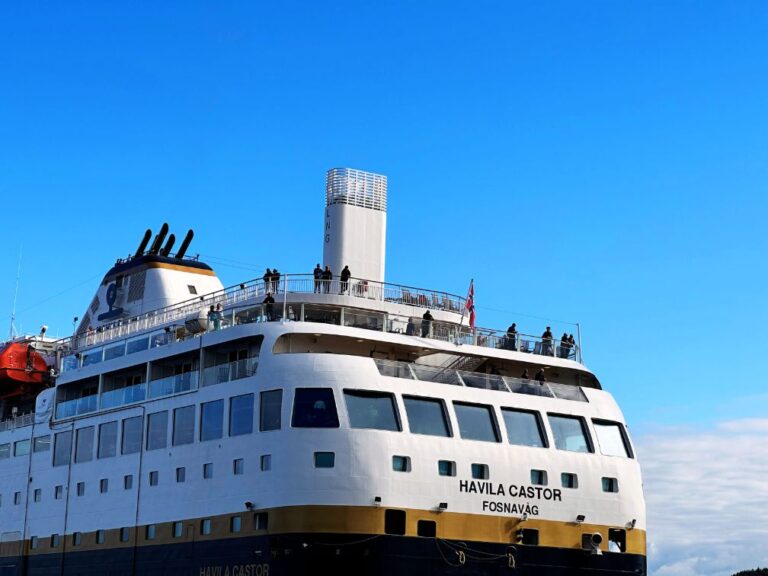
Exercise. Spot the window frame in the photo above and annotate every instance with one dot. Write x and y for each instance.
(584, 429)
(443, 408)
(360, 393)
(539, 424)
(492, 414)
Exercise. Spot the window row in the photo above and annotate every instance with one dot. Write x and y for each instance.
(22, 447)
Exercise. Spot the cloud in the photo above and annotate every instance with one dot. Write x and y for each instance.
(707, 496)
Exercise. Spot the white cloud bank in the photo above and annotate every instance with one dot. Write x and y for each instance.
(707, 497)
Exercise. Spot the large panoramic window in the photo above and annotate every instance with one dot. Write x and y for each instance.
(107, 439)
(241, 415)
(371, 410)
(570, 433)
(426, 416)
(270, 409)
(84, 444)
(523, 427)
(476, 422)
(157, 430)
(183, 425)
(212, 420)
(611, 439)
(314, 408)
(62, 448)
(132, 429)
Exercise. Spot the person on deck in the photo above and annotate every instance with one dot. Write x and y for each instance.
(564, 346)
(318, 274)
(345, 276)
(540, 378)
(327, 277)
(269, 307)
(512, 337)
(267, 280)
(546, 342)
(275, 281)
(426, 322)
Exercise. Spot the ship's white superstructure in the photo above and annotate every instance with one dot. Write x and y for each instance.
(351, 434)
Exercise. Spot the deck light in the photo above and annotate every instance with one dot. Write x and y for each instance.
(377, 500)
(580, 518)
(442, 507)
(631, 524)
(249, 506)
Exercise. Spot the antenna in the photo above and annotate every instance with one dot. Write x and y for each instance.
(15, 298)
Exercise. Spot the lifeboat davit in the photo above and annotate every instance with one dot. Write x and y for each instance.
(22, 369)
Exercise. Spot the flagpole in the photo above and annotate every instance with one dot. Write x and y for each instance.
(463, 310)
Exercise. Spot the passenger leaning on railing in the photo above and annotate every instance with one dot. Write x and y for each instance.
(345, 276)
(511, 342)
(546, 342)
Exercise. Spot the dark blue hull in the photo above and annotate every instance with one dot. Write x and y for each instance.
(340, 555)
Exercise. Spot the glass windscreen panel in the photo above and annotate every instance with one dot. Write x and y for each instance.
(314, 408)
(374, 410)
(523, 428)
(610, 439)
(426, 416)
(570, 433)
(476, 422)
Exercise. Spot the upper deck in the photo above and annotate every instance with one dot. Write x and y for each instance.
(358, 303)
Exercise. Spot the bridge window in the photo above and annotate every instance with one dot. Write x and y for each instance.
(107, 440)
(523, 428)
(611, 439)
(476, 422)
(374, 410)
(241, 415)
(132, 434)
(426, 416)
(212, 420)
(570, 433)
(270, 409)
(314, 408)
(157, 430)
(183, 425)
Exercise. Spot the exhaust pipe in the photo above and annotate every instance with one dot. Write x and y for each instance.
(168, 245)
(185, 244)
(143, 244)
(159, 239)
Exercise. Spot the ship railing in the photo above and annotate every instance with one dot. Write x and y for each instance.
(77, 406)
(174, 384)
(291, 310)
(288, 283)
(425, 373)
(18, 421)
(123, 396)
(228, 371)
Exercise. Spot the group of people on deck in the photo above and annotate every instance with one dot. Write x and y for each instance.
(567, 342)
(323, 277)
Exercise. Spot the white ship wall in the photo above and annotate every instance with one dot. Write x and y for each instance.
(355, 237)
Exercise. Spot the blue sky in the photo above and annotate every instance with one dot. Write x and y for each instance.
(602, 162)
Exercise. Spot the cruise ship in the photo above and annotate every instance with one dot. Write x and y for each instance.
(303, 424)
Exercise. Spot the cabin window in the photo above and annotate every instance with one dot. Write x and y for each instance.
(37, 495)
(570, 433)
(154, 478)
(150, 532)
(212, 420)
(54, 540)
(184, 425)
(157, 430)
(104, 485)
(16, 498)
(41, 444)
(235, 523)
(181, 474)
(21, 448)
(238, 466)
(611, 439)
(205, 526)
(325, 459)
(58, 492)
(401, 463)
(208, 470)
(539, 477)
(270, 408)
(266, 462)
(137, 344)
(446, 468)
(480, 472)
(192, 289)
(128, 482)
(33, 542)
(241, 415)
(375, 410)
(261, 521)
(476, 422)
(100, 536)
(617, 540)
(107, 440)
(314, 408)
(610, 484)
(178, 529)
(132, 429)
(84, 444)
(426, 528)
(523, 428)
(569, 480)
(426, 416)
(62, 448)
(5, 451)
(77, 538)
(125, 534)
(394, 522)
(81, 488)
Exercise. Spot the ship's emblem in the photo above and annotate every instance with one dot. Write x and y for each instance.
(111, 299)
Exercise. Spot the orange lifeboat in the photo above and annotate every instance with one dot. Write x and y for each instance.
(22, 369)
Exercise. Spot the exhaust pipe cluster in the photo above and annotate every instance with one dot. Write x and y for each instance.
(157, 247)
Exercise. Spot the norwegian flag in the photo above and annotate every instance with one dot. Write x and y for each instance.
(471, 304)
